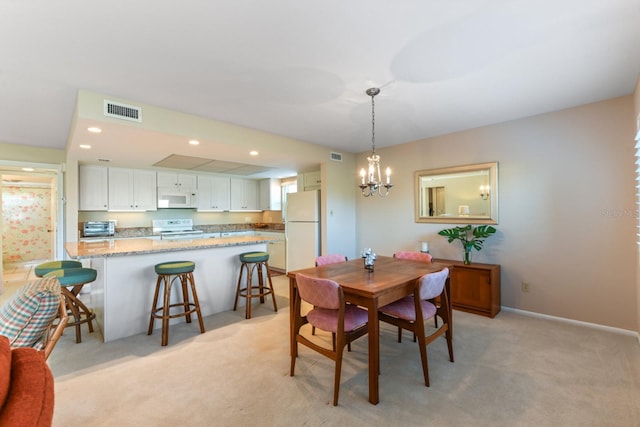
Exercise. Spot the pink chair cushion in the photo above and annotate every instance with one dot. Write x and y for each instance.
(406, 309)
(330, 259)
(327, 320)
(431, 284)
(322, 293)
(413, 255)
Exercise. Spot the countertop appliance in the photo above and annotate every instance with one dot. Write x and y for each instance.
(99, 229)
(302, 229)
(175, 229)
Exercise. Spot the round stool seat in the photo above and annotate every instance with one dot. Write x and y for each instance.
(74, 276)
(47, 267)
(175, 267)
(254, 257)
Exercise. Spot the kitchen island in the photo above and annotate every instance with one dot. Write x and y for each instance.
(122, 294)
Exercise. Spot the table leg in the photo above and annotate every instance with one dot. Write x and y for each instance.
(374, 352)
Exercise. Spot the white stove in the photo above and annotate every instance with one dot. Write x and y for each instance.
(175, 229)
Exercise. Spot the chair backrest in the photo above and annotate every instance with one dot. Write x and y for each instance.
(330, 259)
(431, 284)
(27, 316)
(321, 293)
(413, 255)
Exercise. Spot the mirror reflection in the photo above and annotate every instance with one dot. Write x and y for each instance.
(462, 194)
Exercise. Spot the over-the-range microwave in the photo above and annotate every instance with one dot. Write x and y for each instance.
(174, 198)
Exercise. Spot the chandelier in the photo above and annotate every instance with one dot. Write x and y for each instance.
(372, 180)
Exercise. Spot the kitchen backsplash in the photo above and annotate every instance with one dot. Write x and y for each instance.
(143, 219)
(138, 224)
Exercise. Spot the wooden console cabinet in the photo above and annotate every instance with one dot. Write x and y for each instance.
(475, 287)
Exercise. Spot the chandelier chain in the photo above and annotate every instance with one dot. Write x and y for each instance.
(373, 124)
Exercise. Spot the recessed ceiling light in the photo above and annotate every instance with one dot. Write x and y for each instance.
(85, 146)
(28, 169)
(94, 129)
(253, 153)
(194, 142)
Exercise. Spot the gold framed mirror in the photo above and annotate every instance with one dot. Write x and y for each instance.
(461, 194)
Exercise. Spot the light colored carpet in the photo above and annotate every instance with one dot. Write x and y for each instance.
(509, 371)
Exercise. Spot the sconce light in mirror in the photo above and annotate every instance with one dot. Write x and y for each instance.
(485, 190)
(450, 195)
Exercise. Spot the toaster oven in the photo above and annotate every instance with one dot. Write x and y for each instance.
(98, 229)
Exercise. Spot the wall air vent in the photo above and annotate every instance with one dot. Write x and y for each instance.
(336, 157)
(122, 111)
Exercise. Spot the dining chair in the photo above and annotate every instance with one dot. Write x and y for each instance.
(330, 259)
(329, 313)
(415, 256)
(326, 260)
(411, 312)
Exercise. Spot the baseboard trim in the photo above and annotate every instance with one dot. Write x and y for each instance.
(575, 322)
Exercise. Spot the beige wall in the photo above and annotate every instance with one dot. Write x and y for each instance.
(24, 153)
(567, 220)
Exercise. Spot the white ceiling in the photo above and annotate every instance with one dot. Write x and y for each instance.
(300, 69)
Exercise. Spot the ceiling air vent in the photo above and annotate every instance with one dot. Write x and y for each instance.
(122, 111)
(336, 157)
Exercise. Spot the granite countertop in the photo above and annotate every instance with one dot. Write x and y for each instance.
(118, 247)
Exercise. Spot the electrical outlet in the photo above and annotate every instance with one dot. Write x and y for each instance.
(525, 286)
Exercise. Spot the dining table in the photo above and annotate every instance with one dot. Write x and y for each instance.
(389, 280)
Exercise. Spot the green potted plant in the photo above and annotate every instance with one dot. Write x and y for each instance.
(470, 237)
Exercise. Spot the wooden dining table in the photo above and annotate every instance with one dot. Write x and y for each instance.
(390, 280)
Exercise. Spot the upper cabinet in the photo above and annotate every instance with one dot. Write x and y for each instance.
(270, 195)
(244, 194)
(132, 190)
(93, 188)
(177, 180)
(213, 193)
(308, 181)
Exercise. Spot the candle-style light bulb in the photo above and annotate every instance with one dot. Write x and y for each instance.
(362, 174)
(388, 172)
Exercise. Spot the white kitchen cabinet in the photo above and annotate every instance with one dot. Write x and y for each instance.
(132, 190)
(309, 181)
(93, 188)
(244, 194)
(276, 249)
(180, 181)
(213, 193)
(270, 195)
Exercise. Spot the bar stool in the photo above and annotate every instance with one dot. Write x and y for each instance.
(71, 281)
(167, 273)
(47, 267)
(254, 261)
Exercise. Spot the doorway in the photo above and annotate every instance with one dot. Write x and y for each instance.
(30, 217)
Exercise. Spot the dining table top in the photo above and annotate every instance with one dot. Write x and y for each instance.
(387, 274)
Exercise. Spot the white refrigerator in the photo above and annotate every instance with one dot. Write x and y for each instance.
(302, 229)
